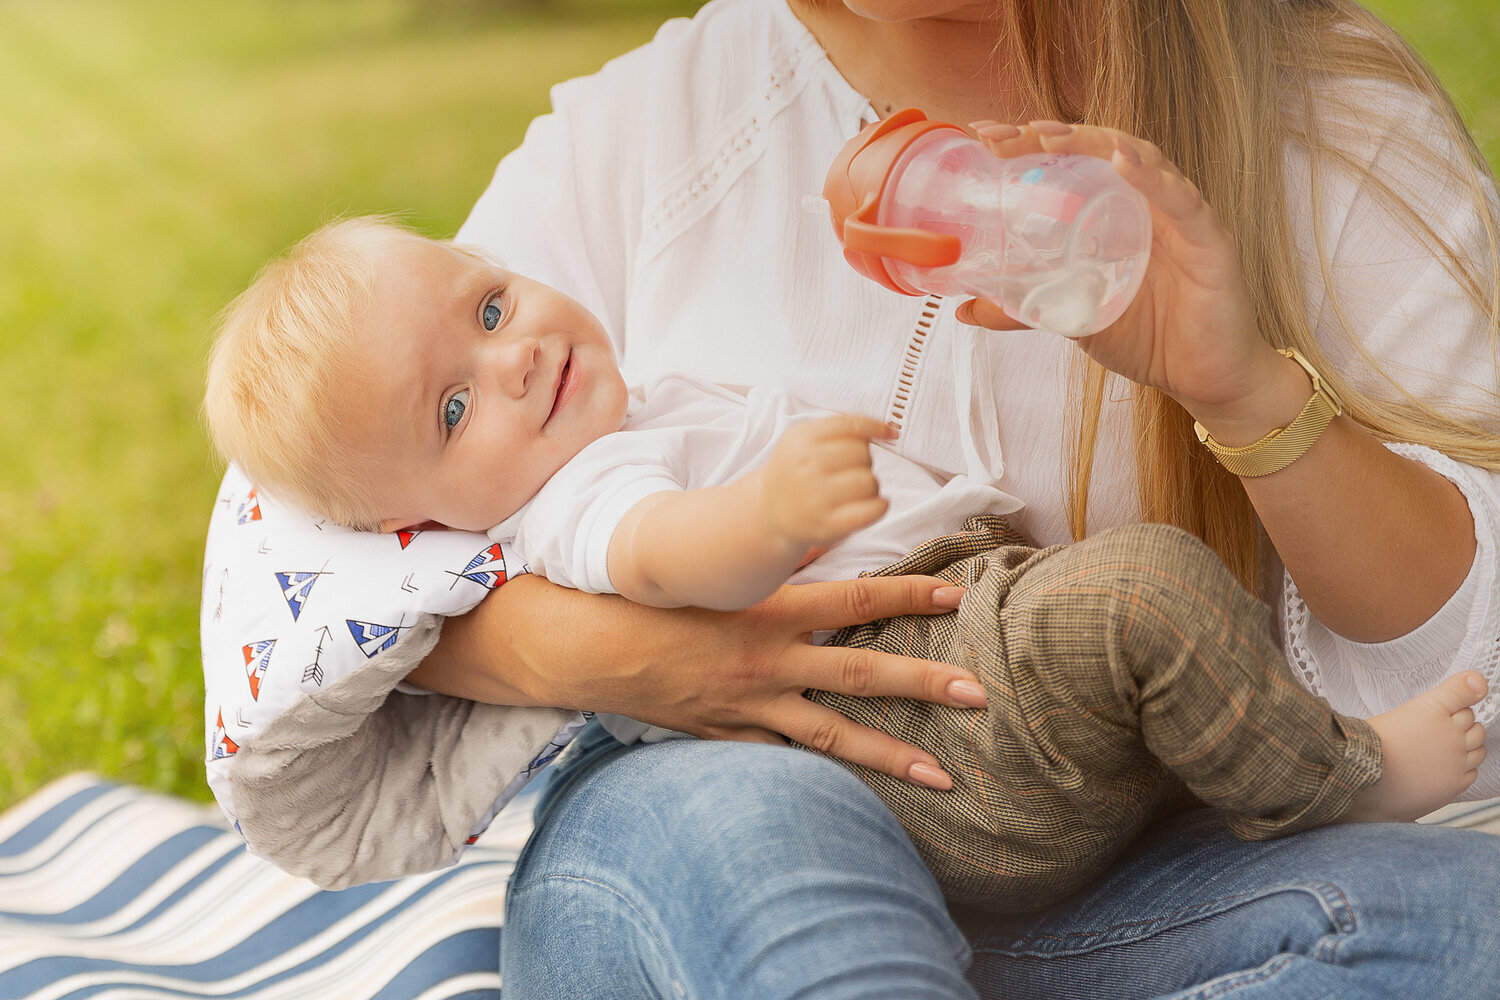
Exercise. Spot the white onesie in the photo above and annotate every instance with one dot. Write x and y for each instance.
(684, 434)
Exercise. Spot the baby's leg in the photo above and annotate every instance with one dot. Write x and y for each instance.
(1432, 748)
(1192, 659)
(1140, 664)
(1054, 778)
(1126, 675)
(1280, 760)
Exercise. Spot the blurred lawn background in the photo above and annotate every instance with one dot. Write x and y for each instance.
(153, 153)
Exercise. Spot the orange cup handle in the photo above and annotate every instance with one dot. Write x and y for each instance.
(916, 247)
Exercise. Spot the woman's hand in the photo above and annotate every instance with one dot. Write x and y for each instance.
(1377, 543)
(1191, 330)
(719, 675)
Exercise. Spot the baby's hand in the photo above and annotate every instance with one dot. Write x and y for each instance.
(818, 484)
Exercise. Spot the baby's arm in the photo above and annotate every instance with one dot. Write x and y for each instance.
(727, 547)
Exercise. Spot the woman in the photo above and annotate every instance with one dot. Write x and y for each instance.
(663, 194)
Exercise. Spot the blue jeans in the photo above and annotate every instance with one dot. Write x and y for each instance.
(692, 869)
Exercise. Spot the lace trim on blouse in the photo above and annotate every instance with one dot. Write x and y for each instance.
(1368, 678)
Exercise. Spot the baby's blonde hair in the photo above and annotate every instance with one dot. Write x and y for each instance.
(283, 348)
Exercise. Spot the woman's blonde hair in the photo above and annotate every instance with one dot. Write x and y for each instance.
(1223, 87)
(283, 350)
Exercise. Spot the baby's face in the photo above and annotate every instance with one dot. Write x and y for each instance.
(478, 385)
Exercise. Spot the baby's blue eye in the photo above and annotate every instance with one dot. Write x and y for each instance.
(453, 410)
(492, 315)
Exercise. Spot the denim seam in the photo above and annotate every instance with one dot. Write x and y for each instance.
(1334, 903)
(1340, 914)
(1236, 981)
(964, 954)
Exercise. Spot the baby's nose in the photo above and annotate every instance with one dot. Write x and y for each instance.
(514, 362)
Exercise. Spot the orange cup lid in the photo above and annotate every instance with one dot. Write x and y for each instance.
(853, 190)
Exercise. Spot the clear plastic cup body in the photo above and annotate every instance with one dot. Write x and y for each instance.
(1060, 241)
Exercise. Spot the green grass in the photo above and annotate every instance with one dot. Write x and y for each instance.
(152, 154)
(1459, 39)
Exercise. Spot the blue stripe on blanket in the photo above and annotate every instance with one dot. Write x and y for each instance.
(33, 834)
(108, 890)
(113, 891)
(140, 876)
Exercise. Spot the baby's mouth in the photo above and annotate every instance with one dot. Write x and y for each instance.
(566, 384)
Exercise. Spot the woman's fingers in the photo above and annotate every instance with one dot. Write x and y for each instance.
(1094, 140)
(988, 314)
(1006, 140)
(837, 603)
(1176, 202)
(869, 673)
(824, 729)
(1169, 192)
(745, 734)
(1140, 162)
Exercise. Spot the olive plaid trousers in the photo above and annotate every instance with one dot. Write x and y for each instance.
(1129, 676)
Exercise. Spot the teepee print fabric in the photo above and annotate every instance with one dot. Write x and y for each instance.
(295, 609)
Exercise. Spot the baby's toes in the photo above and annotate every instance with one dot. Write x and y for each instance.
(1474, 737)
(1463, 720)
(1458, 692)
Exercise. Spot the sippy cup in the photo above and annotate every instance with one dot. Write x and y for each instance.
(1060, 241)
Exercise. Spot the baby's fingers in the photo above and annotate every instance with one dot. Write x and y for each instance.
(850, 425)
(848, 518)
(848, 484)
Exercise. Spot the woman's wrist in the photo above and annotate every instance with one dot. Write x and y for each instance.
(1273, 400)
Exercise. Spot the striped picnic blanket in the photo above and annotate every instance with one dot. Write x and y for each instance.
(112, 891)
(115, 892)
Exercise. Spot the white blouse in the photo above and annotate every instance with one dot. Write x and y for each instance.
(665, 193)
(705, 264)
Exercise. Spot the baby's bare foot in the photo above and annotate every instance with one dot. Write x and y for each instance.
(1432, 748)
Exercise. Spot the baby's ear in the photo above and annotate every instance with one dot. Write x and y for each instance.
(391, 525)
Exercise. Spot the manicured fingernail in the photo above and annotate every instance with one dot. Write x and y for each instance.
(995, 131)
(947, 597)
(1127, 152)
(968, 694)
(925, 774)
(1048, 127)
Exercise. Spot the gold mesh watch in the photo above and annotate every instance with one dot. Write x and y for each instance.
(1284, 445)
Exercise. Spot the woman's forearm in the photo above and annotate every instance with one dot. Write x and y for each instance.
(531, 642)
(737, 675)
(1376, 542)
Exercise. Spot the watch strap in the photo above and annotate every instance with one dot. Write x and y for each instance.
(1284, 445)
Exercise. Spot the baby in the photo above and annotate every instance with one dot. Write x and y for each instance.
(388, 382)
